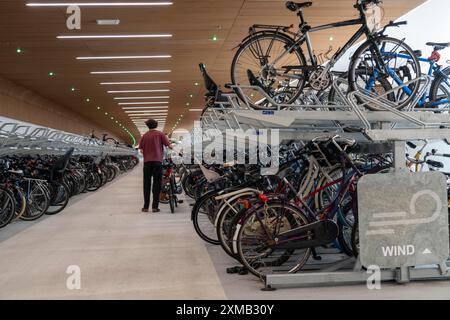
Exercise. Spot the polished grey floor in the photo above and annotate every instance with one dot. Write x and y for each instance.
(124, 254)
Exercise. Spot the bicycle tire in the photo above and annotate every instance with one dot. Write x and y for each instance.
(7, 206)
(247, 45)
(368, 46)
(59, 199)
(437, 85)
(296, 216)
(209, 235)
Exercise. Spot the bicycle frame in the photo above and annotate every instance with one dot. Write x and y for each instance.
(305, 37)
(434, 69)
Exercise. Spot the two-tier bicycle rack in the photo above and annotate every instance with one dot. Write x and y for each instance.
(384, 131)
(19, 138)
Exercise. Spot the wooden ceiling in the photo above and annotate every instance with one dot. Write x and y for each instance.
(192, 23)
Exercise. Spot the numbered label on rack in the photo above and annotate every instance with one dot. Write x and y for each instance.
(403, 219)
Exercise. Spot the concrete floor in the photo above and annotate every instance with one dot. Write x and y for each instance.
(124, 254)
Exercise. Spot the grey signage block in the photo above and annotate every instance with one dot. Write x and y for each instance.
(403, 219)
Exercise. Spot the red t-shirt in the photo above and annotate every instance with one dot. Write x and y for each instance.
(152, 144)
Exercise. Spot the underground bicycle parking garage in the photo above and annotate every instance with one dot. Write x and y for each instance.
(225, 150)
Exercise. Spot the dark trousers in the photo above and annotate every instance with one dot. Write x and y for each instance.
(152, 171)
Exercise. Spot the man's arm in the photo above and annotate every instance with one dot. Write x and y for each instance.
(166, 142)
(141, 145)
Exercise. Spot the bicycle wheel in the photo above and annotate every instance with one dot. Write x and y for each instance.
(20, 202)
(38, 201)
(257, 236)
(7, 206)
(203, 217)
(382, 60)
(440, 91)
(277, 72)
(171, 199)
(93, 181)
(225, 218)
(59, 198)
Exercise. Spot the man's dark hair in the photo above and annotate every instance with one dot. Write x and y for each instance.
(151, 123)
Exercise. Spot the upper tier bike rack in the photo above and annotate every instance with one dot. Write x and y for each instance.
(21, 138)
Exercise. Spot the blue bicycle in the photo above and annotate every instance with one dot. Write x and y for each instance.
(398, 66)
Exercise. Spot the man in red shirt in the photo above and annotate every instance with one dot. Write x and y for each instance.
(152, 147)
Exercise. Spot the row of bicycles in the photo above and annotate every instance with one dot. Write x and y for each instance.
(276, 224)
(33, 186)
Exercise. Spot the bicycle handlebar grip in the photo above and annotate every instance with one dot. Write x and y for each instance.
(446, 155)
(435, 164)
(411, 145)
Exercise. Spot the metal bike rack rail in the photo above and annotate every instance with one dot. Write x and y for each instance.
(17, 138)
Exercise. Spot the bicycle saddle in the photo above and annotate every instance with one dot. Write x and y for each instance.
(438, 46)
(295, 6)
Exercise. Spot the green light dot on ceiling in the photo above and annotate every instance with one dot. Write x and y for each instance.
(51, 74)
(196, 84)
(72, 89)
(331, 38)
(191, 96)
(106, 113)
(98, 108)
(214, 38)
(19, 50)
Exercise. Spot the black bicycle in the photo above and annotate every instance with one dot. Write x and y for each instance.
(271, 58)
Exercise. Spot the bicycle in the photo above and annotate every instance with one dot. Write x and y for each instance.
(284, 76)
(439, 92)
(169, 187)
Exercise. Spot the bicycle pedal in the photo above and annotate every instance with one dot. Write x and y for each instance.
(233, 270)
(243, 271)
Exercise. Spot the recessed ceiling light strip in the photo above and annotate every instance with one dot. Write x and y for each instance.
(115, 36)
(138, 98)
(131, 72)
(133, 82)
(146, 108)
(97, 4)
(146, 111)
(137, 91)
(124, 57)
(140, 103)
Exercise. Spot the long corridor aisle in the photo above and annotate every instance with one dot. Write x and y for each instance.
(121, 252)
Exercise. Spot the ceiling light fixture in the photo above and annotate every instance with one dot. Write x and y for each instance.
(146, 108)
(116, 36)
(146, 111)
(140, 103)
(136, 91)
(133, 82)
(124, 57)
(108, 22)
(98, 4)
(131, 72)
(138, 98)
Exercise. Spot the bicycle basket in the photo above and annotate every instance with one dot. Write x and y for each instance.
(374, 14)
